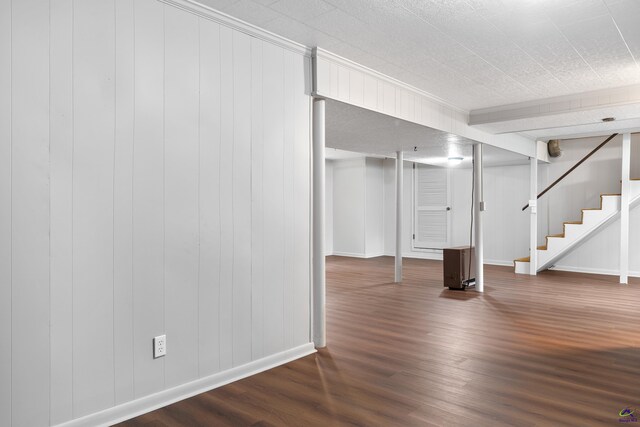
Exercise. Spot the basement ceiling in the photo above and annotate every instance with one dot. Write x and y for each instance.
(472, 53)
(358, 130)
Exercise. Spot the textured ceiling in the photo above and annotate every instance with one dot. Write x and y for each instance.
(472, 53)
(364, 131)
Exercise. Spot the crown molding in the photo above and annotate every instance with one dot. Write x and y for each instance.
(211, 14)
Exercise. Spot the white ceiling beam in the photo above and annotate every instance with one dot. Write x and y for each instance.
(564, 115)
(343, 80)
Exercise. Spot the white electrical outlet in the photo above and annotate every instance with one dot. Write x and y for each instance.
(159, 346)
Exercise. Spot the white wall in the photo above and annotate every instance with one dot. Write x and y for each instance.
(582, 188)
(506, 190)
(389, 166)
(358, 216)
(506, 227)
(374, 212)
(328, 208)
(154, 178)
(349, 207)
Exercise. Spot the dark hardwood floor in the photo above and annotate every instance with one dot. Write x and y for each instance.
(556, 349)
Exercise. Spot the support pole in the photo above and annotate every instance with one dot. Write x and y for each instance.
(477, 213)
(399, 191)
(624, 209)
(319, 283)
(533, 218)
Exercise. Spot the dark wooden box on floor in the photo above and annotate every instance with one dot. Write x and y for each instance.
(456, 262)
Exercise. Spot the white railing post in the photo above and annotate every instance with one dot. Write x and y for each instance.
(477, 212)
(624, 208)
(533, 217)
(399, 215)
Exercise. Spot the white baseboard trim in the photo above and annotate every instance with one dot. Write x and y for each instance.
(349, 254)
(499, 262)
(158, 400)
(353, 255)
(604, 271)
(437, 256)
(374, 255)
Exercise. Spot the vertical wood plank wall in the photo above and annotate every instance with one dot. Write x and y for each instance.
(92, 205)
(123, 201)
(273, 194)
(5, 213)
(154, 178)
(29, 268)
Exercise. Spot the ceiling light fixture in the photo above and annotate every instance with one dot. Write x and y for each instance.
(455, 161)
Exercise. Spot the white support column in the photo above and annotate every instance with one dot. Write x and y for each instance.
(399, 202)
(319, 284)
(478, 208)
(533, 217)
(624, 209)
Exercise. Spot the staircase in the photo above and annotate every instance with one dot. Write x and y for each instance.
(558, 245)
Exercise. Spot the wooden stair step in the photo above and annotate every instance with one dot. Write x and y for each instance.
(564, 224)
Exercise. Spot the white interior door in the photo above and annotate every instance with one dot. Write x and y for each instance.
(432, 215)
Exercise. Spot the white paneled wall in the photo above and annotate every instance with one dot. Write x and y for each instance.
(123, 191)
(6, 260)
(29, 266)
(154, 179)
(148, 196)
(93, 97)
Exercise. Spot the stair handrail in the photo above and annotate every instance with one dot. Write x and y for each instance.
(574, 167)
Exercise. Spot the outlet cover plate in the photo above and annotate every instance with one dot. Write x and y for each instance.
(159, 346)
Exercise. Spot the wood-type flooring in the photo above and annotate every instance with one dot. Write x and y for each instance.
(553, 350)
